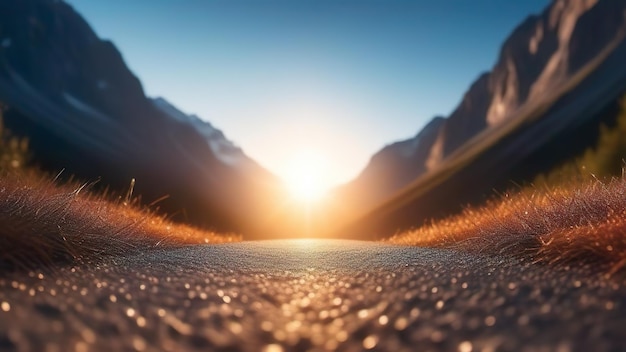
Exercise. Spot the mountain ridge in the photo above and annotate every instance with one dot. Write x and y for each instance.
(542, 53)
(85, 111)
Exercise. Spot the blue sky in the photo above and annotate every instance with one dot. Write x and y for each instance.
(286, 78)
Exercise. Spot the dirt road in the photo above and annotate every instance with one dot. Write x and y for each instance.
(312, 295)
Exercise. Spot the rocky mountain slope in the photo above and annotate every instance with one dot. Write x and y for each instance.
(543, 55)
(84, 111)
(395, 166)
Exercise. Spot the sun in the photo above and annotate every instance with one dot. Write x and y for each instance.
(306, 178)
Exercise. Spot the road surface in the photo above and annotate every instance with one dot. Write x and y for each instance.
(312, 295)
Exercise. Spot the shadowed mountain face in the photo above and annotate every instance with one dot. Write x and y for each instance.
(556, 77)
(84, 111)
(393, 167)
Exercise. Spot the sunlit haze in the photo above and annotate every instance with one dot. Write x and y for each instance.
(308, 177)
(342, 78)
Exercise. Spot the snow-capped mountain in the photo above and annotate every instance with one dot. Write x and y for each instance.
(84, 111)
(225, 150)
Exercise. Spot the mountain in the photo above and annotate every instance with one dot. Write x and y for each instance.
(557, 75)
(225, 150)
(393, 167)
(84, 111)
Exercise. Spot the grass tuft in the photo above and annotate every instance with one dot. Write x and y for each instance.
(584, 224)
(42, 222)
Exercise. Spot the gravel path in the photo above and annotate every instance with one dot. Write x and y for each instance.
(312, 295)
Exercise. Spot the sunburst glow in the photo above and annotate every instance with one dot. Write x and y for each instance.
(307, 178)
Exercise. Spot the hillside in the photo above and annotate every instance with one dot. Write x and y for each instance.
(86, 113)
(558, 77)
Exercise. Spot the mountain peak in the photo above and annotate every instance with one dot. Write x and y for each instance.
(539, 57)
(225, 150)
(84, 111)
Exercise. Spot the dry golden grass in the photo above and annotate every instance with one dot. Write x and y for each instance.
(42, 222)
(576, 223)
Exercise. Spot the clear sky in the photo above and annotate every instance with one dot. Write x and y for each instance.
(286, 78)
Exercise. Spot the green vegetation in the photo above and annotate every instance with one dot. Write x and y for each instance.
(14, 153)
(607, 159)
(603, 161)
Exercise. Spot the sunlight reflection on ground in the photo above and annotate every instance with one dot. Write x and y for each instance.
(310, 294)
